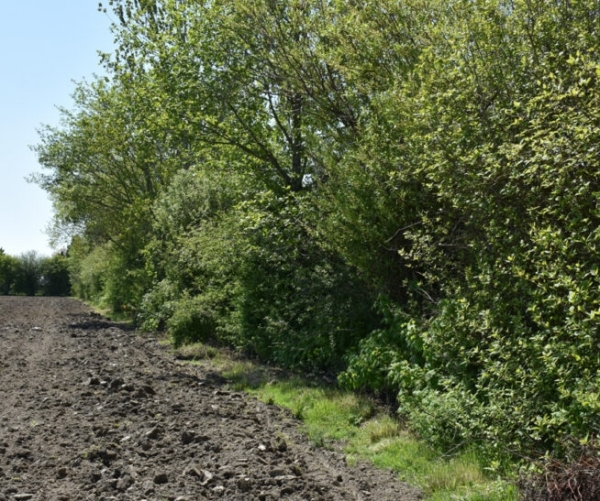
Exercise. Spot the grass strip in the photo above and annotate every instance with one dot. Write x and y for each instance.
(362, 429)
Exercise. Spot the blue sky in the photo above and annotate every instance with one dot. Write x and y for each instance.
(44, 47)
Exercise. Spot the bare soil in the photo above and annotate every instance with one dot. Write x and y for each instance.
(90, 410)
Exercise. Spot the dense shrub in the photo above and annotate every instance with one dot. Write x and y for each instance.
(88, 269)
(503, 312)
(192, 321)
(193, 256)
(157, 306)
(300, 305)
(249, 274)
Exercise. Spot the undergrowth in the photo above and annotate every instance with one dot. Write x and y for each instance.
(105, 312)
(362, 429)
(575, 478)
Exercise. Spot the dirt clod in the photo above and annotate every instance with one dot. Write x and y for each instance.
(91, 410)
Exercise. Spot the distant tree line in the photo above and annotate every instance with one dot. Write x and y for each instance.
(31, 274)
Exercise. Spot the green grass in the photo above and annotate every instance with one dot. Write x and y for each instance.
(356, 425)
(106, 312)
(196, 352)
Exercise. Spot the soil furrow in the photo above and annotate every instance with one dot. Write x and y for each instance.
(90, 410)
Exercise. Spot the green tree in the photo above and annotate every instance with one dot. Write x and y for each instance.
(103, 165)
(8, 266)
(242, 75)
(28, 274)
(55, 276)
(107, 161)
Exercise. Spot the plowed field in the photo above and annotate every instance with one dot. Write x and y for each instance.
(90, 410)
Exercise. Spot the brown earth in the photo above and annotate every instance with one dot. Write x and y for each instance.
(92, 411)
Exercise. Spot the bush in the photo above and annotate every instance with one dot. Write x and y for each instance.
(372, 365)
(87, 269)
(505, 300)
(157, 306)
(191, 322)
(250, 274)
(192, 257)
(109, 275)
(300, 305)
